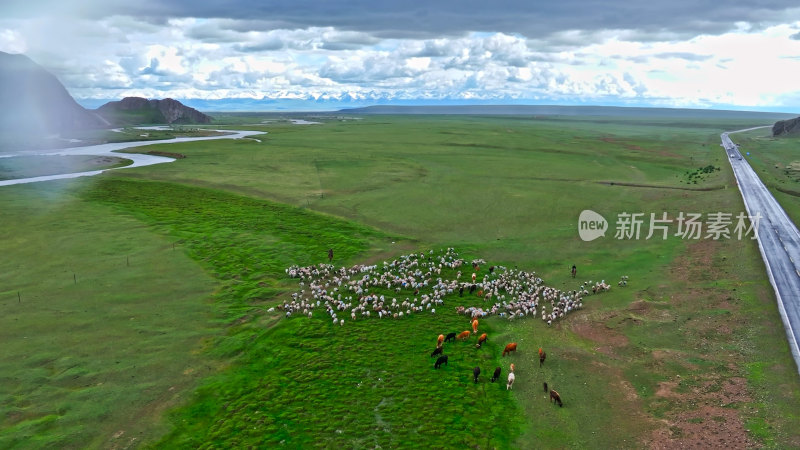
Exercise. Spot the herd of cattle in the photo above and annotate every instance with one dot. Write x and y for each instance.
(420, 282)
(476, 372)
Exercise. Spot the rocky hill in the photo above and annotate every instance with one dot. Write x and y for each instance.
(34, 103)
(784, 127)
(138, 111)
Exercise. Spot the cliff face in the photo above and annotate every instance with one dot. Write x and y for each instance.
(176, 112)
(784, 127)
(138, 111)
(34, 102)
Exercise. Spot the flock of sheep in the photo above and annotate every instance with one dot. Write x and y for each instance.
(419, 283)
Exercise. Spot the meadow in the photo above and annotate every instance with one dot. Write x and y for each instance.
(137, 301)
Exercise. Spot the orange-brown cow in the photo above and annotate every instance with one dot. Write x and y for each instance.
(512, 347)
(463, 336)
(475, 326)
(481, 340)
(440, 340)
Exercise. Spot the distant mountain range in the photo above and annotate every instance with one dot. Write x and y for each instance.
(558, 110)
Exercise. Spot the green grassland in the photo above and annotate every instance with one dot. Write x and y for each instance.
(189, 324)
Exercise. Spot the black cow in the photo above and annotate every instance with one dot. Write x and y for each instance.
(438, 351)
(475, 373)
(450, 337)
(442, 360)
(496, 375)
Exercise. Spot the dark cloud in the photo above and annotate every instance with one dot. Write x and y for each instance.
(392, 19)
(267, 45)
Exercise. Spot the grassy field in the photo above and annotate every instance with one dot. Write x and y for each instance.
(691, 352)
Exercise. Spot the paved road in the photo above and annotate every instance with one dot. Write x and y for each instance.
(139, 159)
(778, 240)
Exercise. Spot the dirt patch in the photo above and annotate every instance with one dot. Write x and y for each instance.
(639, 306)
(711, 423)
(608, 339)
(707, 427)
(698, 263)
(666, 389)
(655, 186)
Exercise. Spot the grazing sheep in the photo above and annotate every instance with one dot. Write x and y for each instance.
(511, 379)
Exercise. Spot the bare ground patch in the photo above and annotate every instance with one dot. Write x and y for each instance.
(706, 414)
(607, 339)
(712, 423)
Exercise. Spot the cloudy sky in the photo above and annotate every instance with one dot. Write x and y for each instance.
(678, 53)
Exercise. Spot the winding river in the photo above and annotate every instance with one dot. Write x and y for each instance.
(109, 150)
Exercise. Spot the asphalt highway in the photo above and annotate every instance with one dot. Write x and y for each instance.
(778, 240)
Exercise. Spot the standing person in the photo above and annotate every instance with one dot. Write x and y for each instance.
(330, 255)
(574, 271)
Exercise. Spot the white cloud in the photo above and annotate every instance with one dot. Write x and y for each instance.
(221, 58)
(11, 41)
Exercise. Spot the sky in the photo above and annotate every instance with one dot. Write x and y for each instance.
(730, 54)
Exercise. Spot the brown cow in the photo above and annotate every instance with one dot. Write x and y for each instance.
(512, 347)
(463, 336)
(555, 398)
(475, 326)
(542, 357)
(439, 340)
(481, 340)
